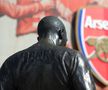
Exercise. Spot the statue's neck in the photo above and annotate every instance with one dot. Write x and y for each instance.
(51, 39)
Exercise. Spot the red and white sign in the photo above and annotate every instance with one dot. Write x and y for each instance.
(92, 39)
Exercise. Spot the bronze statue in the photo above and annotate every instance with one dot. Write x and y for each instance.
(48, 64)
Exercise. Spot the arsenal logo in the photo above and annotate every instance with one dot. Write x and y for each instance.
(91, 35)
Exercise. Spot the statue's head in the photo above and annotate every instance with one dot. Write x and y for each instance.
(52, 28)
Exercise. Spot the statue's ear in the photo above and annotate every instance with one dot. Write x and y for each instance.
(62, 37)
(60, 34)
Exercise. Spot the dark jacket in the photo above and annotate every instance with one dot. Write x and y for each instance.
(46, 67)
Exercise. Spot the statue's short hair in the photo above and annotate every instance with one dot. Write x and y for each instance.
(48, 24)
